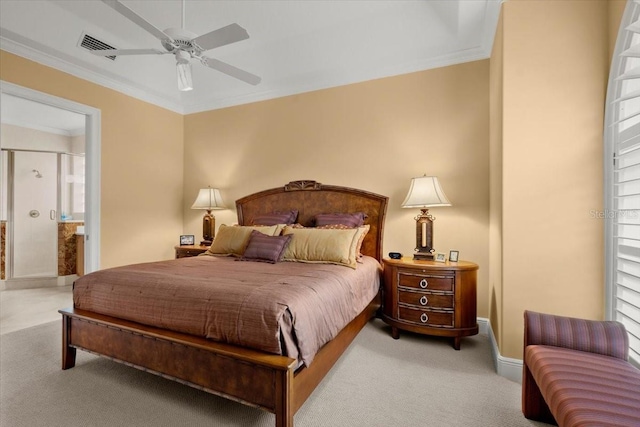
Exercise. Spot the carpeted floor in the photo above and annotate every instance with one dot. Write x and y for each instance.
(415, 381)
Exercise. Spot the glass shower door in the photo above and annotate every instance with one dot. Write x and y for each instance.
(34, 218)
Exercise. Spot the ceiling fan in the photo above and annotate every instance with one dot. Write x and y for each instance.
(185, 45)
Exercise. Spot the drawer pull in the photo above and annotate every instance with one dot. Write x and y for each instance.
(424, 318)
(424, 283)
(424, 300)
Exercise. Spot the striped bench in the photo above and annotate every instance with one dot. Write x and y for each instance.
(576, 373)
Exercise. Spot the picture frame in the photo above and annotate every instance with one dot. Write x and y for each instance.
(187, 239)
(453, 256)
(440, 257)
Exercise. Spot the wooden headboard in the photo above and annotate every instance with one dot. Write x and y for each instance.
(311, 198)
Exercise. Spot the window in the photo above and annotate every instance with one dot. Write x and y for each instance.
(622, 181)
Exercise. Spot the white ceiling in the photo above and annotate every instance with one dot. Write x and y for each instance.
(295, 46)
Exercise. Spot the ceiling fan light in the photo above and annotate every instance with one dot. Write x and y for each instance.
(185, 82)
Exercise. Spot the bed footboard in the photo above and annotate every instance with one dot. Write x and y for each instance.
(249, 377)
(266, 381)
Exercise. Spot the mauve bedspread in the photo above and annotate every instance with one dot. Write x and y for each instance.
(286, 308)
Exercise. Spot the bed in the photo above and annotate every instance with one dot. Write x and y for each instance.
(275, 383)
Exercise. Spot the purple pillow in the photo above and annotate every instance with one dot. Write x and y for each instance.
(276, 218)
(265, 248)
(352, 220)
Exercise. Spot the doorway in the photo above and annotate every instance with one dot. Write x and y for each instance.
(91, 161)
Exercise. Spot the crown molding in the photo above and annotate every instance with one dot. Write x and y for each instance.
(491, 18)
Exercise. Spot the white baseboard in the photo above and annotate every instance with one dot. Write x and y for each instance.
(483, 325)
(37, 282)
(505, 366)
(67, 280)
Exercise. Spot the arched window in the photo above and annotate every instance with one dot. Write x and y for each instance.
(622, 180)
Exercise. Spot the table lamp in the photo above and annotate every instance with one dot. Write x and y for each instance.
(425, 192)
(208, 199)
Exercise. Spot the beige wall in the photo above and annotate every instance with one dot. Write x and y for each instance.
(375, 135)
(495, 199)
(553, 64)
(141, 161)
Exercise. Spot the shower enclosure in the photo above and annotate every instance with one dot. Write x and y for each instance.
(33, 217)
(43, 190)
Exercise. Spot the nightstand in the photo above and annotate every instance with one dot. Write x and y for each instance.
(183, 251)
(431, 298)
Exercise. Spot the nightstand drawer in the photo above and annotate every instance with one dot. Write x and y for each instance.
(425, 317)
(426, 282)
(189, 251)
(426, 299)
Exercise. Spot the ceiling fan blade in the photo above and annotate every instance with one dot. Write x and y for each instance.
(137, 19)
(232, 71)
(222, 36)
(121, 52)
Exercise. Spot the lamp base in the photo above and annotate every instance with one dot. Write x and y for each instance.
(208, 228)
(423, 257)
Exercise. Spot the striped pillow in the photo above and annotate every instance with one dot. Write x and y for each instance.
(352, 220)
(265, 248)
(275, 218)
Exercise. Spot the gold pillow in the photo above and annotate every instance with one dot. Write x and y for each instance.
(364, 229)
(326, 246)
(233, 240)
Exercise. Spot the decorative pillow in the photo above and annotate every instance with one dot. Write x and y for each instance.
(265, 248)
(349, 219)
(327, 246)
(276, 218)
(363, 232)
(233, 240)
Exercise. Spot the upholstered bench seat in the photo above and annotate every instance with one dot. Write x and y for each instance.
(584, 388)
(576, 373)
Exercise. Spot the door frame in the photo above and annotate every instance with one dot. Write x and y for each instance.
(92, 163)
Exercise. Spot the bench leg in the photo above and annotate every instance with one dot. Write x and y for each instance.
(533, 405)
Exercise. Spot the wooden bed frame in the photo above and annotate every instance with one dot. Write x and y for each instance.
(269, 382)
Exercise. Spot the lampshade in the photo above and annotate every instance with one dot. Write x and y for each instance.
(184, 71)
(209, 199)
(424, 192)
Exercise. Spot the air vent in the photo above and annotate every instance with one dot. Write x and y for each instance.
(91, 43)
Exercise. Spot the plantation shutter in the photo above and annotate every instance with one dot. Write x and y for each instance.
(622, 180)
